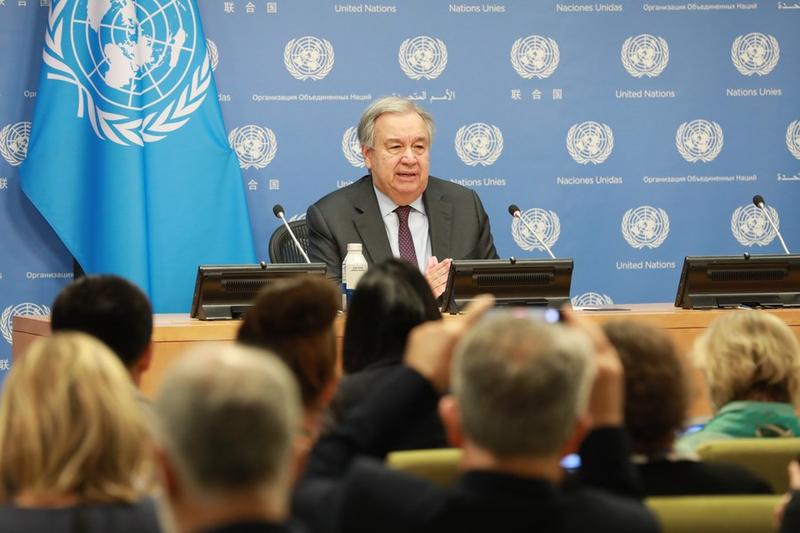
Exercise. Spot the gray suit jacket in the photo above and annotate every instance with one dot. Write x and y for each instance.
(458, 224)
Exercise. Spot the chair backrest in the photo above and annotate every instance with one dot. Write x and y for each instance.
(714, 514)
(766, 457)
(437, 466)
(281, 246)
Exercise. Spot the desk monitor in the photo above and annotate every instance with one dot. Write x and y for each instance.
(542, 282)
(224, 292)
(739, 280)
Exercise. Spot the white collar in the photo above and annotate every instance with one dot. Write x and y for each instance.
(387, 205)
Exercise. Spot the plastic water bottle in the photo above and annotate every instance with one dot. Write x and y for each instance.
(353, 267)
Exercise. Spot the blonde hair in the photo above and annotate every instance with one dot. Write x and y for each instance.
(70, 424)
(749, 355)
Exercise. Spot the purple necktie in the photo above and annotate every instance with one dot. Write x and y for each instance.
(404, 238)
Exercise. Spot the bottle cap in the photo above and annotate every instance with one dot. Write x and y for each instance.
(354, 247)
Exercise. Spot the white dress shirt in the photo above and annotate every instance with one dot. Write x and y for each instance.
(417, 223)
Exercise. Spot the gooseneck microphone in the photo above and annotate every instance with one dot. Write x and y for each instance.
(514, 211)
(277, 210)
(758, 200)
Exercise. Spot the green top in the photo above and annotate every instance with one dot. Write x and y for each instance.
(745, 420)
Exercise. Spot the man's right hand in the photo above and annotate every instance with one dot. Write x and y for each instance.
(436, 273)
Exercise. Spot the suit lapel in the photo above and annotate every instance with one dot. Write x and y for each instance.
(440, 220)
(369, 223)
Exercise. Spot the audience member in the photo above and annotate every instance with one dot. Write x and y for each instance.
(113, 310)
(656, 403)
(294, 319)
(74, 445)
(751, 363)
(391, 299)
(228, 417)
(520, 391)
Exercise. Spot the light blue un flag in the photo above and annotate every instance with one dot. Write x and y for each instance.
(128, 158)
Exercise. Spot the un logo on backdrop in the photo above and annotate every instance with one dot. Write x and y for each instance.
(591, 299)
(792, 138)
(14, 142)
(755, 53)
(308, 58)
(545, 223)
(590, 142)
(255, 146)
(422, 57)
(535, 56)
(213, 53)
(352, 148)
(23, 309)
(645, 227)
(479, 144)
(127, 57)
(750, 226)
(699, 140)
(645, 55)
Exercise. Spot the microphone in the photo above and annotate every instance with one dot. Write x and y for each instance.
(758, 201)
(277, 210)
(514, 211)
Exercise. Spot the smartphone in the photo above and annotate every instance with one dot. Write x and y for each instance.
(547, 314)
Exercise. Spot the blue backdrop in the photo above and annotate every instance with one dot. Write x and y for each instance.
(630, 134)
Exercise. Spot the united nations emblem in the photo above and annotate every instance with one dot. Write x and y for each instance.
(645, 227)
(14, 142)
(351, 148)
(545, 223)
(479, 144)
(23, 309)
(645, 55)
(422, 57)
(590, 142)
(535, 56)
(308, 58)
(138, 66)
(755, 53)
(255, 146)
(213, 53)
(792, 138)
(750, 226)
(699, 140)
(591, 299)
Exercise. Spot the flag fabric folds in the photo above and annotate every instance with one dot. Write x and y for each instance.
(128, 159)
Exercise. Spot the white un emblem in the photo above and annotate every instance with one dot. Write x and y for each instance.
(755, 53)
(352, 148)
(591, 299)
(23, 309)
(590, 142)
(213, 53)
(14, 142)
(308, 58)
(645, 227)
(750, 226)
(645, 55)
(699, 140)
(479, 144)
(138, 66)
(422, 57)
(792, 138)
(255, 146)
(534, 56)
(545, 223)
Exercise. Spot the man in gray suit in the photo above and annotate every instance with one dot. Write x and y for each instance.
(398, 210)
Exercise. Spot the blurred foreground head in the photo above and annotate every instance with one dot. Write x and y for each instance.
(70, 424)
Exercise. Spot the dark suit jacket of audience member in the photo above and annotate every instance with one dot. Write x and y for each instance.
(255, 526)
(690, 478)
(458, 224)
(341, 493)
(139, 517)
(421, 433)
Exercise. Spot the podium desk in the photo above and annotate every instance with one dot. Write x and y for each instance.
(174, 333)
